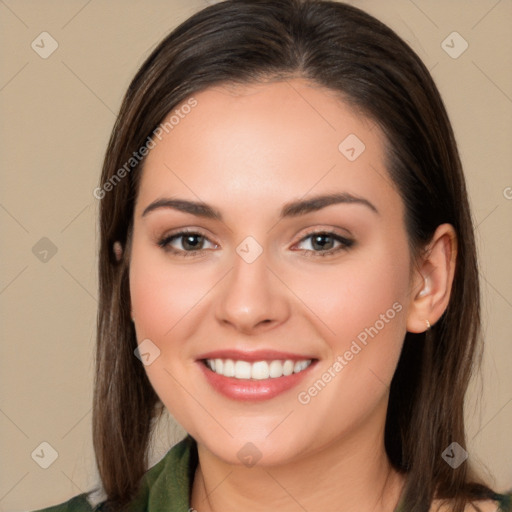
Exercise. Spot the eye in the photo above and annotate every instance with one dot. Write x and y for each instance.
(186, 243)
(192, 243)
(324, 243)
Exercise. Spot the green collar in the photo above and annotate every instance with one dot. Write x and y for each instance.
(168, 484)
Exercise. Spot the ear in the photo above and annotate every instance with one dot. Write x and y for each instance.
(432, 280)
(118, 250)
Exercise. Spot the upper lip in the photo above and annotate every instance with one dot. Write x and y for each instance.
(254, 355)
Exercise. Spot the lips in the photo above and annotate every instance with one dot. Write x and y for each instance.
(255, 375)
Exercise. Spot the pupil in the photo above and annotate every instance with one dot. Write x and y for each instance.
(189, 241)
(322, 244)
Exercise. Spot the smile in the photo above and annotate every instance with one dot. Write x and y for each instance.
(258, 370)
(254, 375)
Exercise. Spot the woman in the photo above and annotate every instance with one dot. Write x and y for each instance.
(287, 265)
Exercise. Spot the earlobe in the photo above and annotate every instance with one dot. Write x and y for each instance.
(436, 271)
(118, 250)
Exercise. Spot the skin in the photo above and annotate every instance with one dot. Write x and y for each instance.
(247, 151)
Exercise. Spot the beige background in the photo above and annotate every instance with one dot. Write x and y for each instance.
(57, 114)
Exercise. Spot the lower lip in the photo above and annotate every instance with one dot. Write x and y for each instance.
(252, 390)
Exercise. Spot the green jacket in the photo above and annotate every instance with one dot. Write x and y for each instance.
(167, 485)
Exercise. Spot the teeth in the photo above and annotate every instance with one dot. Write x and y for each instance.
(242, 370)
(228, 369)
(288, 367)
(258, 370)
(299, 366)
(276, 369)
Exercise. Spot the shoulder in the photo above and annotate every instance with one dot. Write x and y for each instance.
(501, 503)
(167, 482)
(484, 506)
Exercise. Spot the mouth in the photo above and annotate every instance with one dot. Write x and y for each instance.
(254, 376)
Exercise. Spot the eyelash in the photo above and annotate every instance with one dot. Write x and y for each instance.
(345, 244)
(164, 243)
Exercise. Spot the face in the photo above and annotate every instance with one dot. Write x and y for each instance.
(270, 272)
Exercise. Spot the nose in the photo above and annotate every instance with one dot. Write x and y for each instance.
(252, 298)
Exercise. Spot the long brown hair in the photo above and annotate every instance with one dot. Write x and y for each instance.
(347, 51)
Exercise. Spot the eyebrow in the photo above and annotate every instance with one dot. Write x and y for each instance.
(291, 209)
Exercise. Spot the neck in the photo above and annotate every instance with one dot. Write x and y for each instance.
(351, 474)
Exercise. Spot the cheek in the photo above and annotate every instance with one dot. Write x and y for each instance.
(362, 320)
(361, 307)
(161, 298)
(161, 295)
(375, 296)
(353, 296)
(378, 310)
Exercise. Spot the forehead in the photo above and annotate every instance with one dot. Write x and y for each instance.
(267, 142)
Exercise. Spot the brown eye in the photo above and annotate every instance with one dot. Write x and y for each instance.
(185, 242)
(324, 243)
